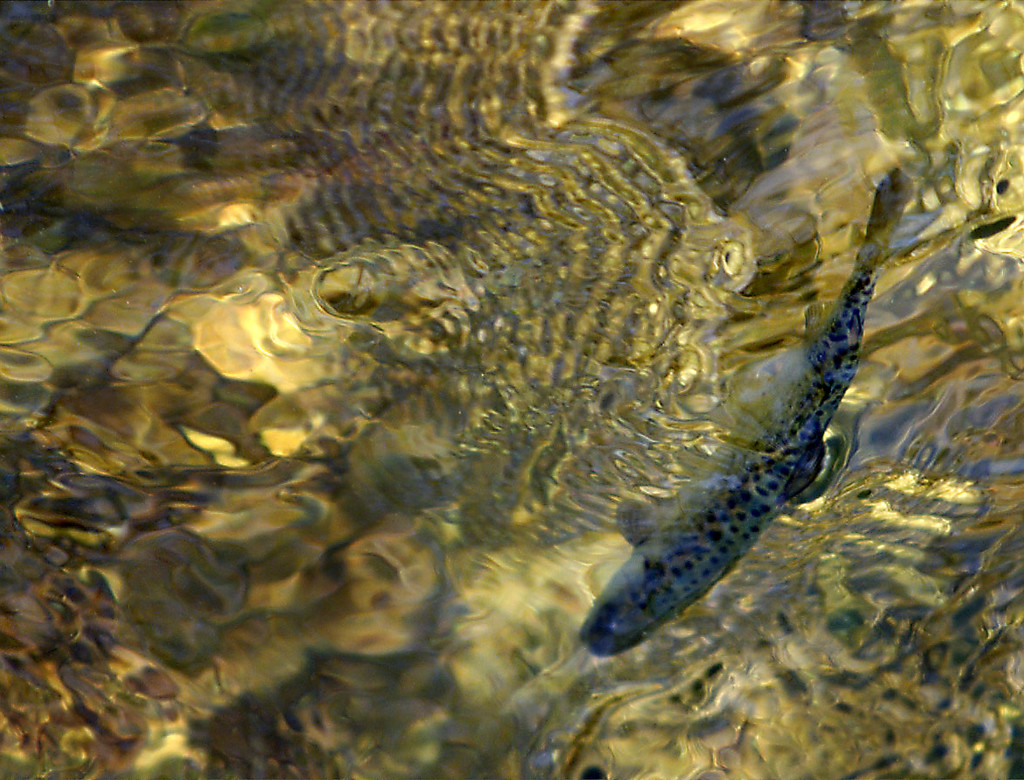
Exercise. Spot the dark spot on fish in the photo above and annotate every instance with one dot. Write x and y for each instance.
(715, 535)
(1002, 186)
(654, 572)
(745, 496)
(688, 565)
(593, 773)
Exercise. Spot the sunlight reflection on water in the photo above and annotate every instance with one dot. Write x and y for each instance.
(333, 335)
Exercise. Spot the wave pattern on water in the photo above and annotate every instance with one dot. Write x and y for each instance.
(333, 335)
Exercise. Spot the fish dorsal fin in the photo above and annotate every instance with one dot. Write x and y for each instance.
(636, 521)
(815, 316)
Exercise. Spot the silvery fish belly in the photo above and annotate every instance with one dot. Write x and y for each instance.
(685, 545)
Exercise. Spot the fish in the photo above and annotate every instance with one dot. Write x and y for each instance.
(782, 407)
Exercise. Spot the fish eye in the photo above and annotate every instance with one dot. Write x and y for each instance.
(1002, 186)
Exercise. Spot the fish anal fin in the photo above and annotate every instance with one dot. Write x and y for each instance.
(806, 470)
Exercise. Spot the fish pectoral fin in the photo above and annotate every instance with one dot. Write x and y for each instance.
(806, 469)
(636, 521)
(815, 317)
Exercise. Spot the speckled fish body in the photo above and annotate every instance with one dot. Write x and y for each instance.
(697, 539)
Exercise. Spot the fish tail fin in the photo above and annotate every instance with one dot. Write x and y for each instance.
(891, 197)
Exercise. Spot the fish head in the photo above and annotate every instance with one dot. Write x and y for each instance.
(620, 618)
(644, 593)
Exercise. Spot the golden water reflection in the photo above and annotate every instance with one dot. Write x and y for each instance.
(333, 334)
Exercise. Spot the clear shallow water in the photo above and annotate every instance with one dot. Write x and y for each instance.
(332, 336)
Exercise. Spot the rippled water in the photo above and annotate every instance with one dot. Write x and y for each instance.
(333, 335)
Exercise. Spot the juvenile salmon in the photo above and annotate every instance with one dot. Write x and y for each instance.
(674, 563)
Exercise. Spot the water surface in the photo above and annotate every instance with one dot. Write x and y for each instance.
(332, 336)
